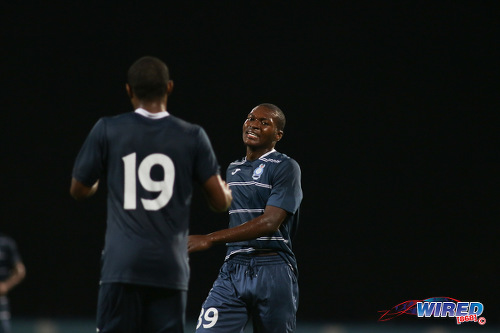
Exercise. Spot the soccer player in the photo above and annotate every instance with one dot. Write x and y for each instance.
(12, 272)
(149, 159)
(259, 276)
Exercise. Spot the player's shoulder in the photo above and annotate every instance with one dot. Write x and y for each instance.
(115, 119)
(172, 121)
(283, 163)
(184, 124)
(118, 117)
(277, 157)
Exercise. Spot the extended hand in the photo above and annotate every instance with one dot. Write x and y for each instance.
(199, 243)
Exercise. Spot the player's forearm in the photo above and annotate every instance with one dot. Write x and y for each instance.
(218, 193)
(260, 226)
(222, 202)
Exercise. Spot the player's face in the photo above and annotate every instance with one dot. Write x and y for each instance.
(259, 129)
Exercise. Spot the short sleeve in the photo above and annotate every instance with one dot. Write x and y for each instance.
(286, 190)
(206, 164)
(89, 164)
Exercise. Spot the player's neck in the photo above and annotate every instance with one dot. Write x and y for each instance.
(254, 154)
(152, 106)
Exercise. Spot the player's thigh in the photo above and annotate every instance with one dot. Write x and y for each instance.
(223, 311)
(119, 308)
(277, 300)
(164, 310)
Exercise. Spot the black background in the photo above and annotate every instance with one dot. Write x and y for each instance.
(392, 111)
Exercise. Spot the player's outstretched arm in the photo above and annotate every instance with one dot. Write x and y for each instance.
(80, 191)
(263, 225)
(218, 193)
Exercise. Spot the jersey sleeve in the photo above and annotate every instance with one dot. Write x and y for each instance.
(286, 190)
(206, 164)
(89, 164)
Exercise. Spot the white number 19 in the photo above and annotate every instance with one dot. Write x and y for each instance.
(165, 186)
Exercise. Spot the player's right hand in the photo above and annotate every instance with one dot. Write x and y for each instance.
(199, 243)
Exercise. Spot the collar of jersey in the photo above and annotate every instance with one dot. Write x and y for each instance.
(147, 114)
(268, 153)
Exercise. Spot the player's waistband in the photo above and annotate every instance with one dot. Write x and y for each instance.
(272, 258)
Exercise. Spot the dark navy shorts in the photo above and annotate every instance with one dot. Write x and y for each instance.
(4, 315)
(133, 308)
(263, 288)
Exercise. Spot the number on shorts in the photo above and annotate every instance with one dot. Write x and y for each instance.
(165, 186)
(211, 316)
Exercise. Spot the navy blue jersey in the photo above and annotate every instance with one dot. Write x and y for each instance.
(272, 180)
(9, 256)
(150, 165)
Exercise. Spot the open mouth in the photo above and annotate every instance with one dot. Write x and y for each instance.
(251, 135)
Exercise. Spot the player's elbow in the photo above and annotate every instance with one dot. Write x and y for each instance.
(79, 191)
(272, 219)
(74, 194)
(271, 227)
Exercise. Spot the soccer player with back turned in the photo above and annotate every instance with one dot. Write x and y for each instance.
(149, 159)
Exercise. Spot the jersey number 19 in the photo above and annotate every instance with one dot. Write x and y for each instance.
(165, 186)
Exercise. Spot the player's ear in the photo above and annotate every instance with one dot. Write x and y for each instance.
(170, 87)
(129, 91)
(279, 135)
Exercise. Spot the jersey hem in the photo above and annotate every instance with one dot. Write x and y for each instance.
(147, 283)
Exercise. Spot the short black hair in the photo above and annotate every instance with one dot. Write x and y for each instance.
(280, 116)
(148, 78)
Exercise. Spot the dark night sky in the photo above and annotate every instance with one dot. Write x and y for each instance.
(392, 109)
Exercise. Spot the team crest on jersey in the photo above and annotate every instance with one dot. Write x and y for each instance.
(258, 171)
